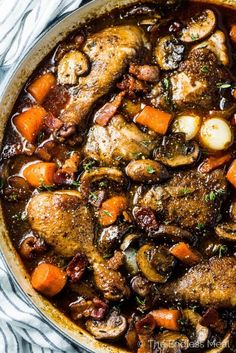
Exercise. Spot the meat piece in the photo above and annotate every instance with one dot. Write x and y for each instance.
(211, 283)
(109, 52)
(131, 85)
(149, 73)
(194, 84)
(119, 140)
(76, 267)
(189, 199)
(104, 115)
(62, 219)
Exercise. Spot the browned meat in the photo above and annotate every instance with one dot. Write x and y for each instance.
(190, 199)
(148, 73)
(109, 52)
(211, 283)
(194, 83)
(66, 224)
(119, 140)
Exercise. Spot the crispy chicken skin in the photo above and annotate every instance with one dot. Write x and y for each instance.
(64, 222)
(109, 52)
(211, 283)
(118, 140)
(194, 84)
(185, 200)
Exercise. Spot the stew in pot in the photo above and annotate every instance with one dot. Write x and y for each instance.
(118, 177)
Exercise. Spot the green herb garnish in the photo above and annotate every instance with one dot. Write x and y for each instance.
(221, 250)
(89, 165)
(107, 213)
(223, 85)
(204, 69)
(211, 196)
(93, 196)
(150, 169)
(185, 191)
(200, 226)
(194, 36)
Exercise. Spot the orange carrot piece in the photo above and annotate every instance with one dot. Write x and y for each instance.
(154, 119)
(111, 209)
(184, 253)
(40, 87)
(30, 122)
(233, 33)
(212, 163)
(40, 173)
(234, 93)
(48, 279)
(167, 318)
(231, 174)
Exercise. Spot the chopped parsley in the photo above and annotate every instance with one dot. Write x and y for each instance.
(43, 187)
(185, 191)
(221, 250)
(140, 301)
(89, 165)
(93, 196)
(150, 169)
(166, 84)
(103, 183)
(194, 36)
(223, 85)
(107, 213)
(76, 183)
(204, 69)
(211, 196)
(200, 226)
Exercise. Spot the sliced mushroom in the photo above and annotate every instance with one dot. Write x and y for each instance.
(146, 170)
(217, 44)
(156, 263)
(129, 239)
(201, 332)
(108, 240)
(131, 337)
(169, 53)
(172, 233)
(223, 345)
(226, 231)
(176, 152)
(89, 177)
(110, 329)
(71, 66)
(199, 27)
(31, 245)
(140, 285)
(173, 342)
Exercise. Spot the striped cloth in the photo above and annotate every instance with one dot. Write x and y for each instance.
(22, 329)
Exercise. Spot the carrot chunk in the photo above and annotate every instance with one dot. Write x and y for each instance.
(184, 253)
(30, 122)
(111, 209)
(41, 173)
(231, 174)
(40, 87)
(154, 119)
(212, 163)
(167, 318)
(233, 33)
(48, 279)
